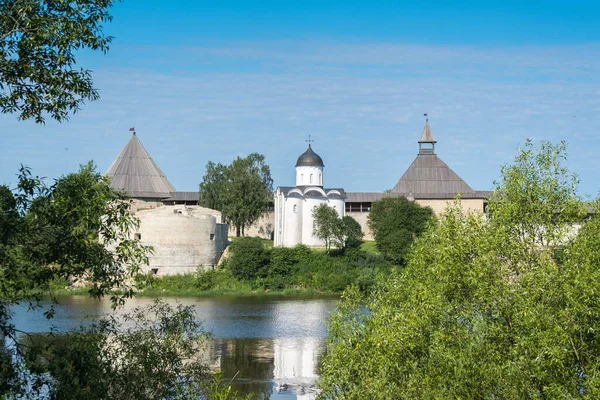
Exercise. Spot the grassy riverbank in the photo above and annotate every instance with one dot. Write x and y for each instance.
(256, 268)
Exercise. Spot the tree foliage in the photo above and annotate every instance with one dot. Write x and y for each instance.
(153, 352)
(482, 309)
(241, 190)
(328, 226)
(76, 229)
(341, 233)
(396, 222)
(352, 233)
(38, 42)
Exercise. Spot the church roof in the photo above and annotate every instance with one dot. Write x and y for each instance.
(286, 189)
(136, 172)
(309, 159)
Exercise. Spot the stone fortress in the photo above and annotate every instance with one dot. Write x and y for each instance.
(185, 236)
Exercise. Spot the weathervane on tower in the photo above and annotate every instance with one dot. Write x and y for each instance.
(132, 130)
(426, 117)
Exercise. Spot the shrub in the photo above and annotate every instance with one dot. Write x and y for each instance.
(205, 280)
(248, 258)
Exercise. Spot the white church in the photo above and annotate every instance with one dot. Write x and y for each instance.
(294, 222)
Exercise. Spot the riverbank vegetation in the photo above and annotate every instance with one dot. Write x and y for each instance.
(503, 308)
(78, 229)
(153, 352)
(254, 268)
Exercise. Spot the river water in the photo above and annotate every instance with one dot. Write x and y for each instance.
(267, 346)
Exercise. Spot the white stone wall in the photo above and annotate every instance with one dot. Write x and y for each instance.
(303, 176)
(278, 204)
(294, 221)
(339, 204)
(293, 216)
(183, 238)
(308, 222)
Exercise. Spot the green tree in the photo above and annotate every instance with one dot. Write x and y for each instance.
(396, 222)
(38, 41)
(77, 228)
(352, 232)
(328, 226)
(481, 309)
(241, 190)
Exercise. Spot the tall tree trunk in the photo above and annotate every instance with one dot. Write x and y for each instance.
(243, 230)
(237, 230)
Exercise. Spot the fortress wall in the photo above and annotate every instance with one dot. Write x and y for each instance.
(263, 228)
(438, 206)
(222, 241)
(140, 204)
(183, 238)
(361, 218)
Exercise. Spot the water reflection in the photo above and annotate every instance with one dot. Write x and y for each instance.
(270, 368)
(268, 347)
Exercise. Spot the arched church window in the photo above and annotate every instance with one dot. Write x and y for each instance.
(295, 208)
(301, 178)
(320, 180)
(311, 178)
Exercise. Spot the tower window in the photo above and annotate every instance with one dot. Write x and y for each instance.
(311, 176)
(320, 180)
(301, 178)
(138, 236)
(295, 208)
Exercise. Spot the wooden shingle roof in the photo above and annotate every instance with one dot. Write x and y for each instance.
(428, 177)
(135, 172)
(427, 136)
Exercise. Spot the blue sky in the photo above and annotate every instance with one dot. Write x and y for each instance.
(205, 81)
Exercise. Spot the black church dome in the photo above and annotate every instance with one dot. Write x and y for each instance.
(309, 159)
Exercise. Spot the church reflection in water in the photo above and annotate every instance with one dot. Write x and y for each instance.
(270, 368)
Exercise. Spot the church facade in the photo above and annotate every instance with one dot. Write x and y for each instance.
(294, 205)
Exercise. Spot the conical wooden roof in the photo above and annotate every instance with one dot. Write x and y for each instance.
(427, 136)
(136, 172)
(428, 177)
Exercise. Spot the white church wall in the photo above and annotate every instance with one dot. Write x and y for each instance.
(292, 221)
(339, 206)
(308, 222)
(304, 173)
(278, 218)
